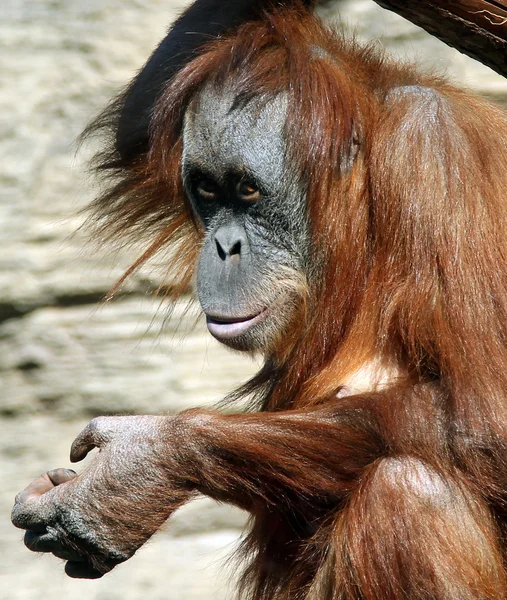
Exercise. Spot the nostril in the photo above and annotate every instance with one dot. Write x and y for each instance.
(232, 251)
(220, 250)
(231, 242)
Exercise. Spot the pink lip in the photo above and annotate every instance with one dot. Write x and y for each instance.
(227, 328)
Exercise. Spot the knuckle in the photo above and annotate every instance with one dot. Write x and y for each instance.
(24, 515)
(16, 513)
(102, 422)
(97, 427)
(33, 511)
(20, 507)
(93, 427)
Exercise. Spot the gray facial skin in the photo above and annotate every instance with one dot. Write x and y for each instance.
(256, 245)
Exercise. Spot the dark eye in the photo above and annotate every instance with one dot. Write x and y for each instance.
(248, 191)
(206, 189)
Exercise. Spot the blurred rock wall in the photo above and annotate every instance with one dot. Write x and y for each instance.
(63, 358)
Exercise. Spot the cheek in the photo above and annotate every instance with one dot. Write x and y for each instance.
(248, 299)
(286, 221)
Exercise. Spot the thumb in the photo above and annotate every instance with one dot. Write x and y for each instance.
(95, 435)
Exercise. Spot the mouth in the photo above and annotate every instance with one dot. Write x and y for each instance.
(228, 328)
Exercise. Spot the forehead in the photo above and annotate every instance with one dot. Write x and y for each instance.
(220, 137)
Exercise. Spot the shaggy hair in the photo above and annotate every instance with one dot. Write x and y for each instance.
(409, 239)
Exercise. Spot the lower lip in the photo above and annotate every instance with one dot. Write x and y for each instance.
(227, 330)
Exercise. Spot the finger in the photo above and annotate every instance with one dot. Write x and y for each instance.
(81, 570)
(23, 518)
(39, 486)
(59, 476)
(49, 542)
(32, 514)
(92, 436)
(29, 512)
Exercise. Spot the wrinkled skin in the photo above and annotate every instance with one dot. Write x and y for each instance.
(142, 471)
(67, 515)
(369, 496)
(252, 205)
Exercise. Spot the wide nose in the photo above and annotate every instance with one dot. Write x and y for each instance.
(230, 242)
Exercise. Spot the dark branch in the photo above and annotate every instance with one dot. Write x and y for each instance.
(475, 27)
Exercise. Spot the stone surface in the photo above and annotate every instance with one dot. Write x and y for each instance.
(62, 358)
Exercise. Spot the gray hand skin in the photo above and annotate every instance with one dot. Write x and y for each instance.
(100, 517)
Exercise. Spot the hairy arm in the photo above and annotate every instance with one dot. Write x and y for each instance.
(147, 467)
(268, 458)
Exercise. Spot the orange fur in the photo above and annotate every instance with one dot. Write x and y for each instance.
(410, 271)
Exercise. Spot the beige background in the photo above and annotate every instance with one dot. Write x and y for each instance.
(62, 359)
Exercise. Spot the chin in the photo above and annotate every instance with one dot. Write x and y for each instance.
(242, 343)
